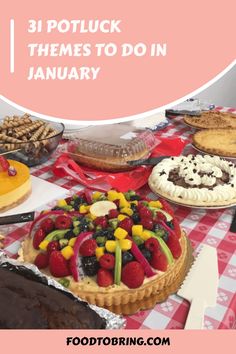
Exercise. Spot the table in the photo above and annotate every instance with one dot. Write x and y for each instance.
(202, 226)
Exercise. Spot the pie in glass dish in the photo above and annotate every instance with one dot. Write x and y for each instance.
(211, 119)
(112, 250)
(200, 181)
(221, 142)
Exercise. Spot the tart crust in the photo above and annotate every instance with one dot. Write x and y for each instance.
(221, 142)
(17, 202)
(212, 120)
(121, 299)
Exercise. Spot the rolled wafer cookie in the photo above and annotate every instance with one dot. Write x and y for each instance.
(46, 131)
(29, 129)
(16, 123)
(37, 133)
(9, 139)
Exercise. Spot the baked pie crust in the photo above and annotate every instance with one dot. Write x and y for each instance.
(220, 142)
(212, 120)
(197, 181)
(120, 298)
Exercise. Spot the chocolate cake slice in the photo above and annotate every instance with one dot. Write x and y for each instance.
(27, 303)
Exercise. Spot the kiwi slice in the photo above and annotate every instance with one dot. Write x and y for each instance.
(118, 264)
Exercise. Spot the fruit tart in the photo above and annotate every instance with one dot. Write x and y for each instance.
(15, 183)
(111, 248)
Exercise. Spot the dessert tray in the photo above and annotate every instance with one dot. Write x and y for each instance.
(195, 181)
(220, 142)
(211, 120)
(111, 249)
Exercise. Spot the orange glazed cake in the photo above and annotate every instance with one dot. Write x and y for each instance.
(110, 249)
(15, 183)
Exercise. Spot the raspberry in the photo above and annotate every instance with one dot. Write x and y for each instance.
(132, 275)
(63, 222)
(104, 278)
(107, 261)
(127, 224)
(177, 228)
(159, 261)
(88, 248)
(58, 266)
(39, 236)
(117, 202)
(101, 221)
(12, 171)
(152, 244)
(41, 260)
(4, 164)
(47, 225)
(147, 224)
(53, 246)
(145, 213)
(113, 213)
(174, 246)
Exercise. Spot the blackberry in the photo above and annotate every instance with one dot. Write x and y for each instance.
(70, 234)
(134, 208)
(147, 254)
(136, 218)
(126, 257)
(90, 265)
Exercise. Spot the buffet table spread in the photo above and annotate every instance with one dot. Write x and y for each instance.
(202, 227)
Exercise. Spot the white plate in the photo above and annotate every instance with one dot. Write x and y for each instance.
(43, 192)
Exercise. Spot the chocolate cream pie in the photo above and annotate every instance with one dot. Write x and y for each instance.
(195, 180)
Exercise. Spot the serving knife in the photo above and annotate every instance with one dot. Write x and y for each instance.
(17, 218)
(200, 286)
(150, 161)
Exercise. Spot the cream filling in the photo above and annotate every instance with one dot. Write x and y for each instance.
(16, 194)
(226, 192)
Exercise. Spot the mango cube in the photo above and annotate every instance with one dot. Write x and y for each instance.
(96, 195)
(121, 217)
(61, 203)
(43, 245)
(127, 211)
(120, 233)
(137, 230)
(72, 241)
(99, 252)
(110, 246)
(155, 204)
(67, 252)
(146, 234)
(125, 244)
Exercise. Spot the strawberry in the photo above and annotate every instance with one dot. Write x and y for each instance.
(104, 278)
(159, 216)
(58, 266)
(174, 246)
(53, 246)
(47, 225)
(101, 221)
(4, 164)
(39, 236)
(113, 213)
(107, 261)
(167, 207)
(159, 261)
(63, 222)
(41, 260)
(126, 224)
(88, 248)
(132, 275)
(177, 228)
(152, 244)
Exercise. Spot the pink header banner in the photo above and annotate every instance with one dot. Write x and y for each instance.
(99, 60)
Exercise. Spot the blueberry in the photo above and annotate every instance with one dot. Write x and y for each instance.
(147, 254)
(90, 265)
(170, 224)
(136, 218)
(134, 197)
(126, 258)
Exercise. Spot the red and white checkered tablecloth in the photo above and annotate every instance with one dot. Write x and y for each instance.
(202, 226)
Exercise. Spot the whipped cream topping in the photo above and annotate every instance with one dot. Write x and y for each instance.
(200, 173)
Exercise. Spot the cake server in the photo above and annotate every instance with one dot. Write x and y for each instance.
(150, 161)
(200, 286)
(17, 218)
